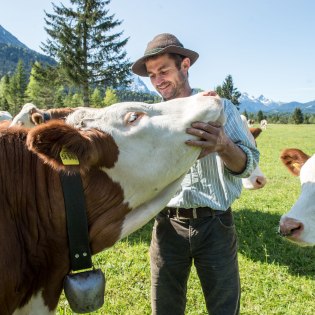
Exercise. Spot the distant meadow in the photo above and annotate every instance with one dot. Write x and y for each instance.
(277, 277)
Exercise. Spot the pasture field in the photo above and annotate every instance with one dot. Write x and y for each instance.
(277, 277)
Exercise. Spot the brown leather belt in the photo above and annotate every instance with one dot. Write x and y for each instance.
(193, 213)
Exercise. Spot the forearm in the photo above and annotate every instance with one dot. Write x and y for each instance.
(233, 157)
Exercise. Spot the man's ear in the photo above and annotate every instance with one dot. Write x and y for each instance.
(186, 64)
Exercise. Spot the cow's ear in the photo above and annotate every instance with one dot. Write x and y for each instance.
(37, 118)
(66, 148)
(294, 159)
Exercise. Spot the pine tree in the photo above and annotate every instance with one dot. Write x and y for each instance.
(5, 93)
(18, 84)
(96, 98)
(297, 116)
(260, 116)
(245, 114)
(34, 87)
(21, 78)
(47, 86)
(228, 91)
(110, 97)
(41, 87)
(83, 41)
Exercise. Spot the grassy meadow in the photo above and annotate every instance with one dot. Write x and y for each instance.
(277, 277)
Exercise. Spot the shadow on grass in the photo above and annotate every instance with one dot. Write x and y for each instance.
(259, 241)
(142, 235)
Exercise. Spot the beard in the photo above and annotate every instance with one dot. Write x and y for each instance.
(173, 89)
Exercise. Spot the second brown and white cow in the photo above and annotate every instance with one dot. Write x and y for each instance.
(257, 179)
(132, 158)
(298, 224)
(263, 124)
(31, 116)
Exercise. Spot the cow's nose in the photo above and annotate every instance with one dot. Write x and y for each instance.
(260, 182)
(290, 228)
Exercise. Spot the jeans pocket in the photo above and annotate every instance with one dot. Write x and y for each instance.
(226, 220)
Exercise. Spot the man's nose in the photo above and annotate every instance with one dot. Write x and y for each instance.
(159, 80)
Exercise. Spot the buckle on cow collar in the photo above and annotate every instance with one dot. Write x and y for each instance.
(85, 290)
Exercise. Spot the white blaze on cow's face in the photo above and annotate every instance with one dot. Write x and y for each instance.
(153, 156)
(23, 118)
(298, 224)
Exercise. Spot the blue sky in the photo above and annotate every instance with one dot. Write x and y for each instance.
(268, 46)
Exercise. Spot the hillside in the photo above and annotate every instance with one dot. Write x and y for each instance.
(7, 38)
(12, 50)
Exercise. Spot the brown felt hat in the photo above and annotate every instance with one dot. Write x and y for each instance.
(160, 44)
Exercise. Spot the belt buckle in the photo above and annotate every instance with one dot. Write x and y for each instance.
(177, 214)
(194, 213)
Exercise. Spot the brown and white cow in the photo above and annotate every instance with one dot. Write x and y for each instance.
(132, 159)
(250, 122)
(263, 124)
(257, 179)
(31, 116)
(298, 224)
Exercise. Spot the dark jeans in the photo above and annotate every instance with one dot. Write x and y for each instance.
(210, 243)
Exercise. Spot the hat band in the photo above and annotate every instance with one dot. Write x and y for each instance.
(153, 51)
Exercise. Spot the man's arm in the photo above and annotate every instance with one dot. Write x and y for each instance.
(214, 139)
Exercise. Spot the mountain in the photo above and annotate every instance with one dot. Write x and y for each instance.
(137, 85)
(253, 105)
(9, 39)
(12, 50)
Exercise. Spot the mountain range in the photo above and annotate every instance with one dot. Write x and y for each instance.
(253, 105)
(11, 50)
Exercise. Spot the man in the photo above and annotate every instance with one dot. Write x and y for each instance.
(197, 226)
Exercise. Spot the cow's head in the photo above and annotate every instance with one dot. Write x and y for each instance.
(257, 179)
(139, 146)
(298, 225)
(23, 118)
(31, 116)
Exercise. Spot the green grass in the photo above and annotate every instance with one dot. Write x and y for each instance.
(277, 277)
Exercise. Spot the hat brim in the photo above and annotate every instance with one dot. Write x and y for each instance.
(139, 67)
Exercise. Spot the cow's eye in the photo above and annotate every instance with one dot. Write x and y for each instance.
(132, 117)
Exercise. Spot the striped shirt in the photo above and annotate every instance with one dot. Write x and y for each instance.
(209, 183)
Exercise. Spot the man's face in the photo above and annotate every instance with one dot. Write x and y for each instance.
(166, 78)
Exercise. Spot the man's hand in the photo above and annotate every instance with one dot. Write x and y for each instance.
(212, 137)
